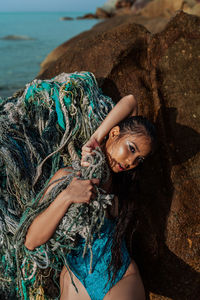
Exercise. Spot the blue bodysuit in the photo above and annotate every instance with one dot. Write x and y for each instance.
(95, 283)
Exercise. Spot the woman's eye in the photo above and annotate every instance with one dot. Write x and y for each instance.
(132, 148)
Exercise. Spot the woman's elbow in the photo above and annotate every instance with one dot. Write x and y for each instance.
(130, 96)
(33, 241)
(132, 99)
(132, 102)
(29, 244)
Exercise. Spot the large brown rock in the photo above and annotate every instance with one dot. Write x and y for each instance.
(72, 46)
(124, 3)
(157, 8)
(166, 8)
(87, 16)
(102, 14)
(194, 10)
(174, 178)
(162, 71)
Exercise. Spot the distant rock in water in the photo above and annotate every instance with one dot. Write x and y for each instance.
(13, 37)
(66, 18)
(87, 16)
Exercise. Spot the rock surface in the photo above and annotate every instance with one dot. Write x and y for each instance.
(161, 8)
(153, 25)
(109, 6)
(102, 14)
(87, 16)
(162, 71)
(166, 8)
(124, 3)
(14, 37)
(194, 10)
(66, 18)
(145, 8)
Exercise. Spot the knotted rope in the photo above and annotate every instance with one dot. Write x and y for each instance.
(40, 132)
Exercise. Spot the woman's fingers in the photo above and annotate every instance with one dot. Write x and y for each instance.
(92, 143)
(87, 149)
(95, 181)
(91, 194)
(82, 190)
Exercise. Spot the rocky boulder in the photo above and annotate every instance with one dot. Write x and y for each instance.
(193, 10)
(157, 8)
(124, 3)
(87, 16)
(162, 71)
(102, 14)
(138, 5)
(66, 18)
(109, 6)
(153, 25)
(165, 8)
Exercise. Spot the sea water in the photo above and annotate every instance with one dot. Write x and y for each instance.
(37, 34)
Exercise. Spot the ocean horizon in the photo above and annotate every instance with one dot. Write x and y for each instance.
(26, 38)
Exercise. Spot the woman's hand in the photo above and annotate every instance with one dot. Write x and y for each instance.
(125, 108)
(87, 149)
(80, 191)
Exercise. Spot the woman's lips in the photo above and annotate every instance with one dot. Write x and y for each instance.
(120, 167)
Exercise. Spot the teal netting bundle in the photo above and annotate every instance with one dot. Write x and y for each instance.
(42, 131)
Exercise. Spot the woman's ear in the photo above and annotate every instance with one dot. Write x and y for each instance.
(114, 132)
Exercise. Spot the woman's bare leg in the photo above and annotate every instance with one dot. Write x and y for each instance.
(130, 287)
(67, 290)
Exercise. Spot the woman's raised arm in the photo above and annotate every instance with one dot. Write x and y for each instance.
(45, 224)
(126, 107)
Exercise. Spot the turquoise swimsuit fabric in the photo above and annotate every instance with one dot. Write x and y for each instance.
(96, 282)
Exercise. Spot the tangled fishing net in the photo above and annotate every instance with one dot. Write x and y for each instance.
(42, 131)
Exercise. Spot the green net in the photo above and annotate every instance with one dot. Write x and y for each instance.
(42, 131)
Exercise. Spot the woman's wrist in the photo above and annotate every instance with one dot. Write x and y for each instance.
(66, 198)
(98, 136)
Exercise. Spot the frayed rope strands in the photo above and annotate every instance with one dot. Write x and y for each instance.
(40, 132)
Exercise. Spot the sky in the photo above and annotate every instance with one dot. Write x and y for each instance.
(50, 5)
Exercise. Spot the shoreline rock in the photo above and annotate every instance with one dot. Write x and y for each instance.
(13, 37)
(66, 18)
(87, 16)
(145, 8)
(100, 14)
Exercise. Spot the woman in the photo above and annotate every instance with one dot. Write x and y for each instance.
(128, 144)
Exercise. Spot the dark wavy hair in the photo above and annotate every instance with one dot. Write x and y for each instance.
(123, 184)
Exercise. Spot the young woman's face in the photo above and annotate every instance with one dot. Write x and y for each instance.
(126, 152)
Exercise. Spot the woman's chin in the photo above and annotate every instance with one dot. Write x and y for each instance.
(116, 168)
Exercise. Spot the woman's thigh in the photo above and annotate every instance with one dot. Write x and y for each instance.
(67, 289)
(130, 287)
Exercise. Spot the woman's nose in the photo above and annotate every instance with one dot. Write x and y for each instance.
(132, 161)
